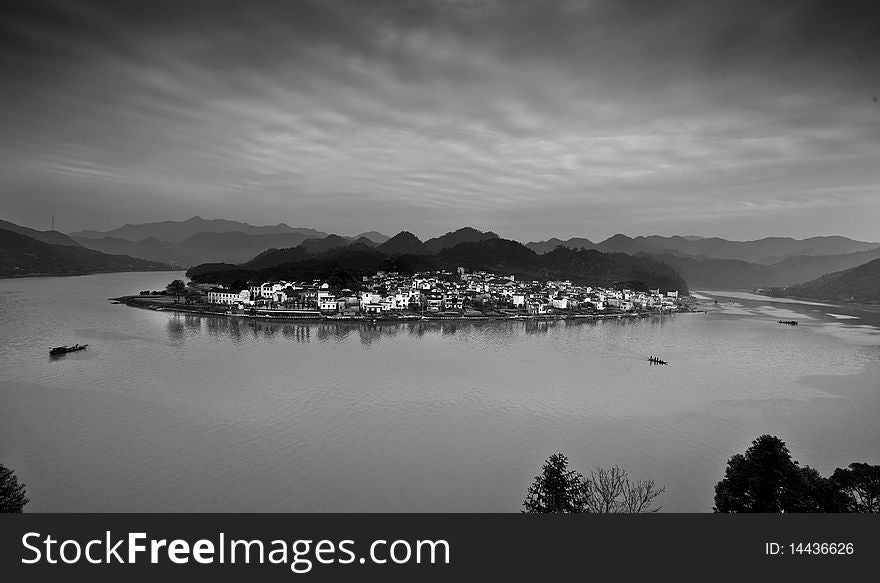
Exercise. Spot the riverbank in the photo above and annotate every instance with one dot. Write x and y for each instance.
(167, 304)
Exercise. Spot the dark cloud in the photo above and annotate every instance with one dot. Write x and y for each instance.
(530, 118)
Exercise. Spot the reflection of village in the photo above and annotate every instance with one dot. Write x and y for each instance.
(440, 295)
(183, 325)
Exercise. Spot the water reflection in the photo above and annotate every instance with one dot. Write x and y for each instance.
(369, 333)
(176, 330)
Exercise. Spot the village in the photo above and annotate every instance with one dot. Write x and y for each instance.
(441, 294)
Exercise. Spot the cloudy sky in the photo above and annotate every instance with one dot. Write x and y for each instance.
(532, 119)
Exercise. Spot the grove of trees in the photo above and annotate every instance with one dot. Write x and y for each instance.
(606, 491)
(764, 478)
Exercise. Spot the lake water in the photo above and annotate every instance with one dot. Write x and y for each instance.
(170, 412)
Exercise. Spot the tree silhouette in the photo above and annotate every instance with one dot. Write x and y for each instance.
(556, 489)
(607, 491)
(610, 491)
(176, 288)
(766, 479)
(12, 494)
(860, 484)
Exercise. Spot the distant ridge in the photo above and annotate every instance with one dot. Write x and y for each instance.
(49, 237)
(453, 238)
(765, 251)
(177, 231)
(404, 243)
(349, 264)
(21, 255)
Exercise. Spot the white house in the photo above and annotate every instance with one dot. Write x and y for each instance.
(228, 296)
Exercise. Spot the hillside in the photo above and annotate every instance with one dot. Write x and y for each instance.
(374, 236)
(463, 235)
(735, 274)
(858, 284)
(21, 255)
(50, 237)
(351, 263)
(404, 243)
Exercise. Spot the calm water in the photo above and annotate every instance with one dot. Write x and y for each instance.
(187, 413)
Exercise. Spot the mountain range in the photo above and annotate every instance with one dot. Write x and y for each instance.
(703, 262)
(22, 255)
(765, 251)
(345, 266)
(197, 240)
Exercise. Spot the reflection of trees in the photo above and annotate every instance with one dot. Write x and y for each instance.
(237, 328)
(220, 326)
(176, 330)
(299, 333)
(333, 330)
(192, 322)
(448, 328)
(369, 333)
(539, 326)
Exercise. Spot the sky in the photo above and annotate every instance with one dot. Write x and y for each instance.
(531, 119)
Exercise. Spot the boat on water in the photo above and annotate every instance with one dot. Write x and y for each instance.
(789, 322)
(655, 360)
(65, 349)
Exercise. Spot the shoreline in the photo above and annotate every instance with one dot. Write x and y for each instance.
(149, 303)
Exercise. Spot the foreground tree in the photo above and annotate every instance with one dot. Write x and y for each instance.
(176, 288)
(860, 485)
(611, 491)
(556, 489)
(607, 491)
(766, 479)
(12, 494)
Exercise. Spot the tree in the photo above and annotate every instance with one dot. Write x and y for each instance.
(610, 491)
(193, 297)
(860, 485)
(12, 494)
(556, 489)
(176, 288)
(766, 479)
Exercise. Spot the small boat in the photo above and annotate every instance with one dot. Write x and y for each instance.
(655, 360)
(65, 349)
(789, 322)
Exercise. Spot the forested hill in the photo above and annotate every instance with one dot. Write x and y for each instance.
(859, 284)
(346, 266)
(22, 255)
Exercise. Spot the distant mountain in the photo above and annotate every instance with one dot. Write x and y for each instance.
(763, 251)
(234, 246)
(500, 255)
(404, 243)
(50, 237)
(364, 241)
(22, 255)
(463, 235)
(273, 257)
(325, 244)
(542, 247)
(229, 247)
(177, 231)
(858, 284)
(374, 236)
(350, 263)
(151, 249)
(735, 274)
